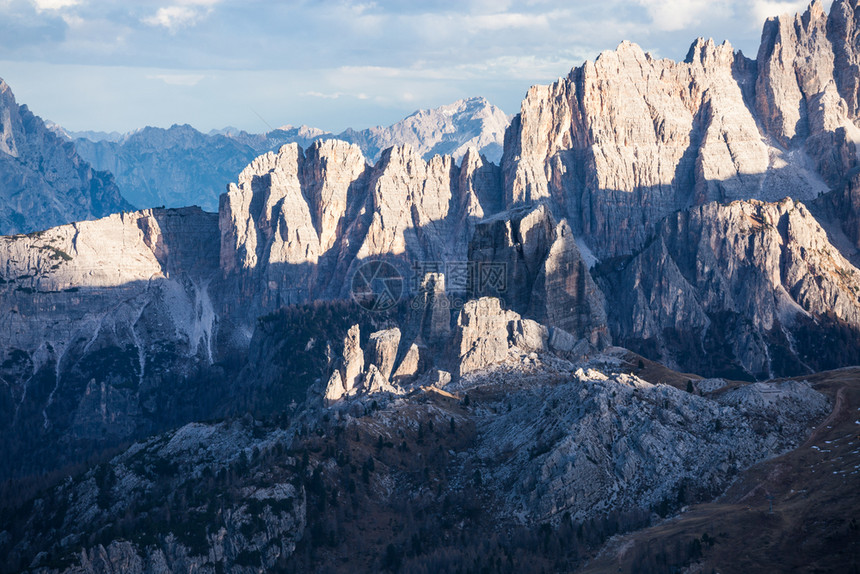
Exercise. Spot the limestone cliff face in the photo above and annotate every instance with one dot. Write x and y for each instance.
(635, 158)
(743, 284)
(298, 224)
(285, 214)
(100, 320)
(43, 181)
(542, 272)
(627, 139)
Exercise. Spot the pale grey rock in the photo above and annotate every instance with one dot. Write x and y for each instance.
(756, 275)
(545, 275)
(376, 382)
(436, 378)
(567, 346)
(382, 350)
(530, 336)
(613, 442)
(628, 139)
(448, 130)
(181, 166)
(296, 224)
(409, 365)
(353, 360)
(482, 334)
(330, 170)
(334, 389)
(102, 315)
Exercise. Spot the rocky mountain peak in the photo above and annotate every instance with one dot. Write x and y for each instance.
(45, 182)
(707, 53)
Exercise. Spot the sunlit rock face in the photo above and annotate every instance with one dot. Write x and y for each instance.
(639, 201)
(297, 224)
(43, 181)
(453, 129)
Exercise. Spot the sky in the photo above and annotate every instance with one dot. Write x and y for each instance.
(255, 65)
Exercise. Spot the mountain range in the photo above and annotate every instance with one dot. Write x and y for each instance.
(631, 343)
(181, 166)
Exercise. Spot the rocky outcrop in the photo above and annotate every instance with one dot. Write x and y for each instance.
(487, 335)
(334, 389)
(535, 266)
(43, 181)
(601, 441)
(409, 365)
(382, 350)
(482, 334)
(296, 224)
(280, 221)
(754, 283)
(353, 360)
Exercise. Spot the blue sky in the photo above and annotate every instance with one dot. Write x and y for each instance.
(95, 64)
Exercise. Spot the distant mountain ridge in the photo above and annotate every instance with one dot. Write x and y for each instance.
(181, 166)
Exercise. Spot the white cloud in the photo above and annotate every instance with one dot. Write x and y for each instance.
(44, 5)
(670, 16)
(177, 79)
(322, 95)
(507, 20)
(184, 13)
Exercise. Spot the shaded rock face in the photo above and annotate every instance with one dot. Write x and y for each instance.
(43, 181)
(544, 274)
(739, 284)
(602, 159)
(265, 521)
